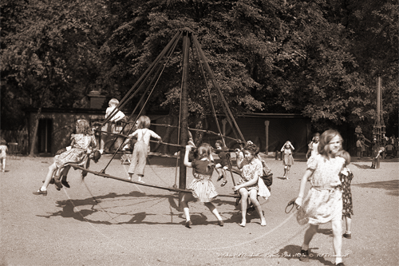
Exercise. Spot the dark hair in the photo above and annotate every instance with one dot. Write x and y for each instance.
(252, 148)
(219, 142)
(344, 154)
(96, 156)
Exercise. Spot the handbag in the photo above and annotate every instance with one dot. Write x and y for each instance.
(267, 179)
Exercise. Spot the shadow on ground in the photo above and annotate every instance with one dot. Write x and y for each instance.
(392, 186)
(292, 252)
(81, 209)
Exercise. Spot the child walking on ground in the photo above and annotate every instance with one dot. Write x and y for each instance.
(201, 186)
(346, 177)
(224, 165)
(323, 202)
(313, 146)
(141, 148)
(251, 184)
(3, 154)
(83, 143)
(288, 160)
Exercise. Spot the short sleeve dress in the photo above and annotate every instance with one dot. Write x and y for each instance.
(202, 186)
(323, 202)
(78, 153)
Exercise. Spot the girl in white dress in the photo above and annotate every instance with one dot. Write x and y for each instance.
(323, 202)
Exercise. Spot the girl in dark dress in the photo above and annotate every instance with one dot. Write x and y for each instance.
(346, 177)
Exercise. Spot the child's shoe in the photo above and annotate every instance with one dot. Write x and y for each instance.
(348, 236)
(224, 183)
(304, 255)
(188, 224)
(40, 192)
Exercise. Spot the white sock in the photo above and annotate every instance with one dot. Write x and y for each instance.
(338, 260)
(43, 189)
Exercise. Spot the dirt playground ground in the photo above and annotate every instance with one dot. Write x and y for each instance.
(103, 221)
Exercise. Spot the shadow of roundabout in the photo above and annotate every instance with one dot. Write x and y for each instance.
(392, 186)
(82, 209)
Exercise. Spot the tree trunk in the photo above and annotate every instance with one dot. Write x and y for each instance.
(33, 143)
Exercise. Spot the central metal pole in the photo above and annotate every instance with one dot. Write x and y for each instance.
(184, 112)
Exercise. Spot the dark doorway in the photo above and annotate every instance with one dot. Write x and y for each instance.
(45, 133)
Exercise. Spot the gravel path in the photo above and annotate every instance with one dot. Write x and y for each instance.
(107, 222)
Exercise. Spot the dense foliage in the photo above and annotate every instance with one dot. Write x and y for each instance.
(319, 58)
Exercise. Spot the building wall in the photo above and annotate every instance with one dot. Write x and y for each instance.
(281, 128)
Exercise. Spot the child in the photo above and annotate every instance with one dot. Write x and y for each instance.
(224, 164)
(141, 148)
(313, 145)
(251, 184)
(288, 160)
(323, 203)
(116, 116)
(201, 186)
(3, 154)
(346, 177)
(82, 144)
(377, 155)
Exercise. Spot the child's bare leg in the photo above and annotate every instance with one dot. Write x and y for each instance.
(52, 168)
(215, 212)
(288, 171)
(3, 165)
(258, 207)
(184, 203)
(348, 225)
(310, 232)
(141, 178)
(224, 176)
(244, 199)
(337, 244)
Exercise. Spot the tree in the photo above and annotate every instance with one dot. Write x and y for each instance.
(49, 53)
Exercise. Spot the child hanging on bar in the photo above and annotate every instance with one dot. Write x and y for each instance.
(201, 186)
(224, 155)
(117, 116)
(141, 148)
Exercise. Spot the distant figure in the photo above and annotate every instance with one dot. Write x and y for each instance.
(288, 159)
(313, 146)
(359, 148)
(3, 154)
